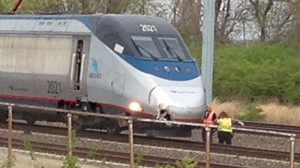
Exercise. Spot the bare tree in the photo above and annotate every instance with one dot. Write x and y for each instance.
(112, 6)
(222, 16)
(146, 7)
(217, 10)
(271, 18)
(297, 21)
(176, 10)
(294, 33)
(231, 20)
(83, 6)
(187, 18)
(91, 6)
(42, 6)
(97, 6)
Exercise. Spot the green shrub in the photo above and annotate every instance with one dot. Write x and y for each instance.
(71, 161)
(196, 50)
(9, 163)
(186, 162)
(139, 158)
(28, 146)
(6, 5)
(163, 166)
(94, 149)
(252, 112)
(255, 72)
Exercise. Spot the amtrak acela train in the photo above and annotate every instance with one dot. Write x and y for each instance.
(118, 64)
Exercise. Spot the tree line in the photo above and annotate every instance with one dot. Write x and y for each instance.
(235, 20)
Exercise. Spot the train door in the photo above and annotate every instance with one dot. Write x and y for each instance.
(79, 64)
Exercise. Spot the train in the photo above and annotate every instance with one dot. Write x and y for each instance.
(120, 64)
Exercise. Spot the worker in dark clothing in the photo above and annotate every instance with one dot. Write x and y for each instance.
(225, 128)
(208, 119)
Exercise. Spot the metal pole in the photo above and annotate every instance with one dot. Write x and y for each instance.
(131, 143)
(69, 115)
(208, 48)
(207, 164)
(9, 154)
(15, 7)
(292, 139)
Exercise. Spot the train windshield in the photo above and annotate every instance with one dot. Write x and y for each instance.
(171, 48)
(159, 47)
(146, 47)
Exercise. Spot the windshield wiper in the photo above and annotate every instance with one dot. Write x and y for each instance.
(171, 50)
(138, 47)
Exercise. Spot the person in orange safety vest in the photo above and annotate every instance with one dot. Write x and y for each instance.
(208, 119)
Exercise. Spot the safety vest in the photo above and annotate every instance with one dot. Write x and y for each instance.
(209, 119)
(225, 125)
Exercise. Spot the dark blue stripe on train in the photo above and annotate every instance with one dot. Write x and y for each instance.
(186, 70)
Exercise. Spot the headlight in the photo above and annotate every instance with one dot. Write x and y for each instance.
(135, 106)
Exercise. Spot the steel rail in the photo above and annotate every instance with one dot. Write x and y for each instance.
(174, 123)
(112, 156)
(163, 142)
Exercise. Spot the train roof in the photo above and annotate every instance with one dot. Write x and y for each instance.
(125, 23)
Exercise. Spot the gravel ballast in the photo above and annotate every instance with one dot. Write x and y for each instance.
(257, 141)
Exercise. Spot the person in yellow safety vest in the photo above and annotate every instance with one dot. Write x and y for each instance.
(208, 119)
(225, 128)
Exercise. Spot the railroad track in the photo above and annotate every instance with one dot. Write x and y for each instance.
(167, 143)
(112, 156)
(273, 127)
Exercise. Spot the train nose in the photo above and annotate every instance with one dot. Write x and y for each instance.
(178, 103)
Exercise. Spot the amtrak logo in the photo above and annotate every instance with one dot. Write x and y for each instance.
(95, 74)
(94, 65)
(17, 89)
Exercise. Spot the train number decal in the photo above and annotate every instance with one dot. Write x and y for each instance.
(148, 28)
(54, 87)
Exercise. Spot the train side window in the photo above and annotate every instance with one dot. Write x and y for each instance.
(78, 61)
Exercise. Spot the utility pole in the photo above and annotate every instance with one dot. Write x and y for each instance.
(15, 7)
(208, 48)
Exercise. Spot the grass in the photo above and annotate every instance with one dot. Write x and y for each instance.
(274, 112)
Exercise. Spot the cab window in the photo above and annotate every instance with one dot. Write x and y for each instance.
(171, 48)
(146, 47)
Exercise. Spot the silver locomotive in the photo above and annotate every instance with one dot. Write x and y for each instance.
(104, 63)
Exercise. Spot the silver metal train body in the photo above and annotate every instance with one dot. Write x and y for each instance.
(107, 63)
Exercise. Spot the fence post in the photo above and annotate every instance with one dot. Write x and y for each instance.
(292, 139)
(207, 130)
(9, 134)
(130, 129)
(69, 115)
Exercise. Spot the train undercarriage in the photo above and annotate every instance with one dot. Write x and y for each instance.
(79, 123)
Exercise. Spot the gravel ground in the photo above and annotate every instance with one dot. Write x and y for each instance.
(22, 159)
(254, 141)
(257, 141)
